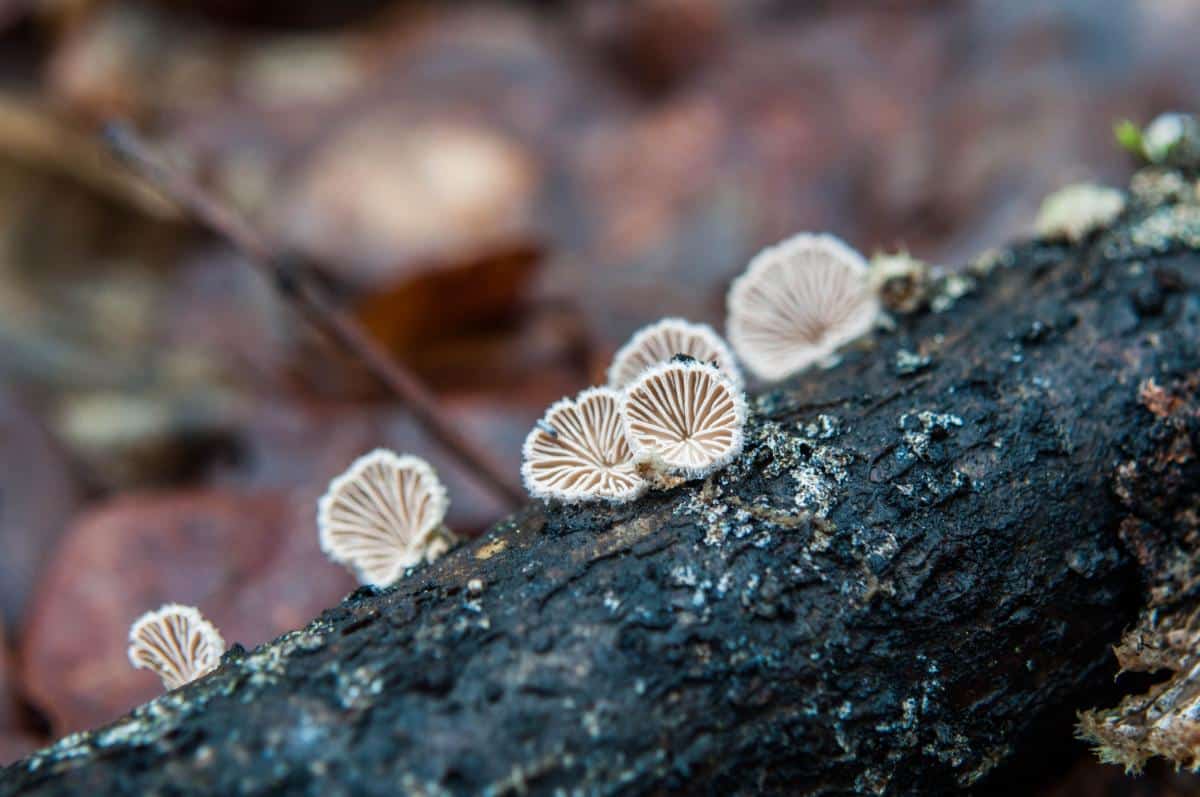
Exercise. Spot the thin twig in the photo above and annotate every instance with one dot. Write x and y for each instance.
(297, 287)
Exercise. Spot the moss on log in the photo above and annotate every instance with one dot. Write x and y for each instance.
(911, 573)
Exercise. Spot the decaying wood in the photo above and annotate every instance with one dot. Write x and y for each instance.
(912, 573)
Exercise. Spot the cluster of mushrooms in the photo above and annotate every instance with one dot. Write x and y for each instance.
(673, 409)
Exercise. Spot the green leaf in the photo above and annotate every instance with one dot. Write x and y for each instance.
(1129, 136)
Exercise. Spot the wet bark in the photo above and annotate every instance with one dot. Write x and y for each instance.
(912, 573)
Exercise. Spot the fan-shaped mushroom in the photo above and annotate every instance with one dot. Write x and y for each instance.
(686, 415)
(797, 302)
(578, 451)
(384, 515)
(661, 341)
(177, 643)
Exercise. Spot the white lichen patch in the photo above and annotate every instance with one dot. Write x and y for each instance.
(1159, 186)
(921, 428)
(908, 362)
(715, 529)
(989, 260)
(949, 290)
(1166, 228)
(266, 665)
(357, 688)
(684, 576)
(1075, 212)
(807, 469)
(883, 546)
(815, 492)
(823, 427)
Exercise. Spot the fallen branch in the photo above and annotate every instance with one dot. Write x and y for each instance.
(912, 573)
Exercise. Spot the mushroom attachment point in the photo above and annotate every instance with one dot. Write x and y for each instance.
(901, 281)
(797, 303)
(175, 642)
(686, 416)
(578, 452)
(384, 515)
(663, 340)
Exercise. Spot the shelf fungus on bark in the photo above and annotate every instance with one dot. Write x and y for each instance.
(176, 643)
(384, 515)
(661, 341)
(797, 303)
(578, 452)
(686, 416)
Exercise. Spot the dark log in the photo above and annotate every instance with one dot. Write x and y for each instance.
(911, 573)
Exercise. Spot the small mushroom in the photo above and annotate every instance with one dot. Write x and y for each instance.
(900, 280)
(384, 515)
(1074, 212)
(664, 339)
(686, 416)
(797, 303)
(1172, 139)
(578, 452)
(177, 643)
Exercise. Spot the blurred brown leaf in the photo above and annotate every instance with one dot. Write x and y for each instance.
(469, 324)
(436, 301)
(464, 324)
(245, 560)
(544, 354)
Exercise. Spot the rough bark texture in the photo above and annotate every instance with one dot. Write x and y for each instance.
(913, 567)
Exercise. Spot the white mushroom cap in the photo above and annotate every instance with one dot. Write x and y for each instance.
(1166, 133)
(1077, 210)
(661, 341)
(578, 451)
(177, 643)
(383, 515)
(797, 302)
(687, 414)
